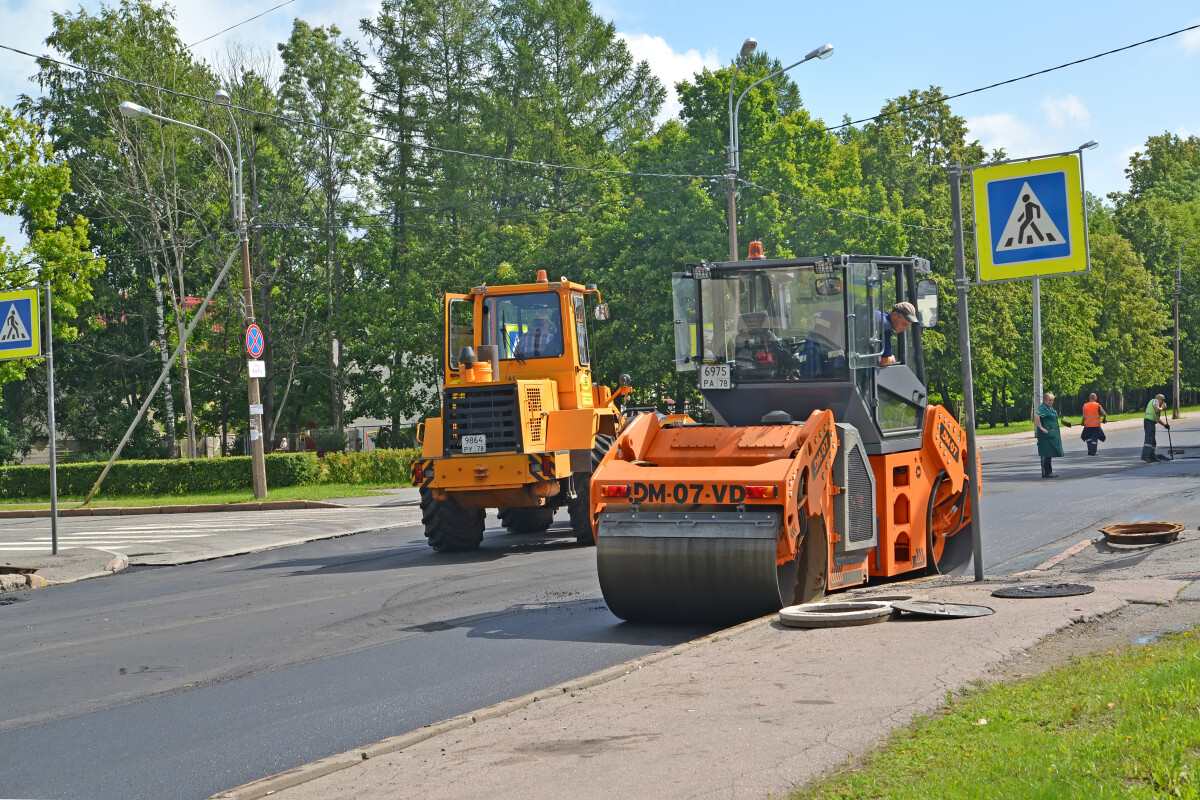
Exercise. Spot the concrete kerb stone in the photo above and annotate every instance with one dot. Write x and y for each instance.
(326, 766)
(19, 582)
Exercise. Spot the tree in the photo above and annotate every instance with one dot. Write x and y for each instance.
(33, 185)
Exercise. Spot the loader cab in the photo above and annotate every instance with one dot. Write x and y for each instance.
(527, 331)
(796, 335)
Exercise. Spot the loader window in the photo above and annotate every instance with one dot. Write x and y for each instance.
(581, 342)
(461, 320)
(527, 325)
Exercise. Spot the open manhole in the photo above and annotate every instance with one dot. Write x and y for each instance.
(1044, 590)
(835, 615)
(1142, 532)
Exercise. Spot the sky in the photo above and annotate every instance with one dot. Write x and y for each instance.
(883, 49)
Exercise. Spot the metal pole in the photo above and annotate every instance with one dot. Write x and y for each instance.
(258, 464)
(1178, 290)
(162, 376)
(732, 169)
(964, 345)
(1178, 279)
(53, 430)
(1037, 345)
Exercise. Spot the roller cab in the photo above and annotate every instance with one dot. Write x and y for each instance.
(824, 468)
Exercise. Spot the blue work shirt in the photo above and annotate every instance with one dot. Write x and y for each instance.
(886, 319)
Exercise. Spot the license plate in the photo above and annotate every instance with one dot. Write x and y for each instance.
(714, 376)
(474, 443)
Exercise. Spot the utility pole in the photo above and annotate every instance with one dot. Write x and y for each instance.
(1178, 289)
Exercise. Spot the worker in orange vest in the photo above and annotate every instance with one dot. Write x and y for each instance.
(1093, 415)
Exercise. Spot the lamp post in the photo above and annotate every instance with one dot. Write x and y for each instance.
(1178, 288)
(748, 47)
(130, 110)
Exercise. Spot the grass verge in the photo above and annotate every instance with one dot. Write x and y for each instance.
(1026, 426)
(322, 491)
(1120, 725)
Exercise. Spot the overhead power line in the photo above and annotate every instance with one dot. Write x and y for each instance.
(840, 210)
(944, 98)
(239, 24)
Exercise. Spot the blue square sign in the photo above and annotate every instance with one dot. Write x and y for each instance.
(20, 331)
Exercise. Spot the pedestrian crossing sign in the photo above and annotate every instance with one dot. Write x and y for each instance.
(20, 324)
(1030, 219)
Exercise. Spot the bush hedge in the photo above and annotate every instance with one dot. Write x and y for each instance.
(189, 476)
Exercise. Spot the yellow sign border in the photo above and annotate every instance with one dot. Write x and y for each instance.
(1076, 263)
(35, 349)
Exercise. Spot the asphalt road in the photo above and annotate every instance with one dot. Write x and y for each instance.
(178, 682)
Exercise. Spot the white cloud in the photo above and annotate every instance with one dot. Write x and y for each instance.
(669, 65)
(1190, 41)
(1063, 111)
(1007, 131)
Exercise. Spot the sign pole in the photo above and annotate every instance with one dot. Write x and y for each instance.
(1037, 345)
(53, 432)
(964, 345)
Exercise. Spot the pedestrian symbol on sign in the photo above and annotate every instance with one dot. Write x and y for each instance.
(1027, 225)
(13, 330)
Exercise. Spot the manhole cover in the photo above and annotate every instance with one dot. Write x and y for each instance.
(932, 608)
(1045, 590)
(1142, 533)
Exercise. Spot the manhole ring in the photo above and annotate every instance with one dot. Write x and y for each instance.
(835, 615)
(1142, 532)
(934, 608)
(1044, 590)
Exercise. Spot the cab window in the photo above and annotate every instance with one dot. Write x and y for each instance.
(462, 329)
(527, 325)
(580, 328)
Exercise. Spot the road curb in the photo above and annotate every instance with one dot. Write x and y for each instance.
(203, 508)
(336, 763)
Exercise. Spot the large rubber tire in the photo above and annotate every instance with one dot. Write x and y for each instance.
(580, 508)
(448, 525)
(534, 519)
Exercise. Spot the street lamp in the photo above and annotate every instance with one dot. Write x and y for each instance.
(1178, 288)
(132, 110)
(748, 48)
(822, 52)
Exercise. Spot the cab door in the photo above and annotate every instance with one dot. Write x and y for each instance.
(459, 331)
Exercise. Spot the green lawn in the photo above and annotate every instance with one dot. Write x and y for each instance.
(317, 492)
(1120, 725)
(1026, 426)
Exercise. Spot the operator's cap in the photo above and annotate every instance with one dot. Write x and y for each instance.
(1159, 397)
(907, 311)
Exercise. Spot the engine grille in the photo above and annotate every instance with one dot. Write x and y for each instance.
(859, 496)
(489, 409)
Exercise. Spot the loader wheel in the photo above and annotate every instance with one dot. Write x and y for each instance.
(526, 520)
(449, 525)
(949, 548)
(580, 508)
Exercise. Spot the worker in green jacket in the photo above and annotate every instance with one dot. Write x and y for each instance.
(1049, 440)
(1154, 416)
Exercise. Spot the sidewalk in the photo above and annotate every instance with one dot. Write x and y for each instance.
(754, 710)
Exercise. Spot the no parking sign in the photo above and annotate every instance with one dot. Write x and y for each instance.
(254, 341)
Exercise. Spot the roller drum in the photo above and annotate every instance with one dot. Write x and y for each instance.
(692, 567)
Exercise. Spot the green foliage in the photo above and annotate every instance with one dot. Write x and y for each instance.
(182, 476)
(376, 467)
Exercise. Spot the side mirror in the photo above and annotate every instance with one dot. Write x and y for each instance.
(927, 303)
(601, 312)
(829, 286)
